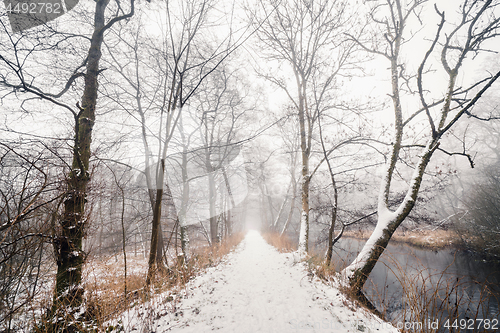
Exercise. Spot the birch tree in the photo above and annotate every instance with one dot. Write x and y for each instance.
(307, 38)
(454, 42)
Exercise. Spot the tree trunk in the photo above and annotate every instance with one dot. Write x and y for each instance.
(331, 231)
(153, 253)
(155, 263)
(270, 209)
(358, 271)
(68, 295)
(184, 242)
(280, 212)
(229, 226)
(292, 206)
(172, 216)
(214, 223)
(305, 144)
(160, 246)
(183, 209)
(361, 267)
(304, 217)
(124, 242)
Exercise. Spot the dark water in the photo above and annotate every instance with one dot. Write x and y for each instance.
(422, 289)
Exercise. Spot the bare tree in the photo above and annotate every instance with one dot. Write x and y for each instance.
(291, 146)
(28, 193)
(302, 35)
(477, 23)
(221, 112)
(161, 80)
(17, 61)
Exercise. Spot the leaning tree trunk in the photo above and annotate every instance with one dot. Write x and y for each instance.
(292, 206)
(274, 226)
(388, 221)
(358, 271)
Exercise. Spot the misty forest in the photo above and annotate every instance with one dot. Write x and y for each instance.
(249, 166)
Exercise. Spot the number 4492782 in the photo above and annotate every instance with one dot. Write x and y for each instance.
(470, 324)
(34, 8)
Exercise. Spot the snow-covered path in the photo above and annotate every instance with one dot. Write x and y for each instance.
(258, 289)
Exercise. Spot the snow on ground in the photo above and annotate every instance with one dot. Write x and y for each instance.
(256, 289)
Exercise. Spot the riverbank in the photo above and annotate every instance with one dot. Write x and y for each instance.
(425, 239)
(434, 240)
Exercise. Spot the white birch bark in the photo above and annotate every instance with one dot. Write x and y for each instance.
(387, 219)
(474, 16)
(304, 219)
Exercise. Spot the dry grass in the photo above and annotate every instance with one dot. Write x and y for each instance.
(104, 281)
(427, 239)
(106, 290)
(282, 243)
(316, 265)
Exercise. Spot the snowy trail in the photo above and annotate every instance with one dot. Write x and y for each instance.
(259, 289)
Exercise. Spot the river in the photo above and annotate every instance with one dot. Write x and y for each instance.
(448, 289)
